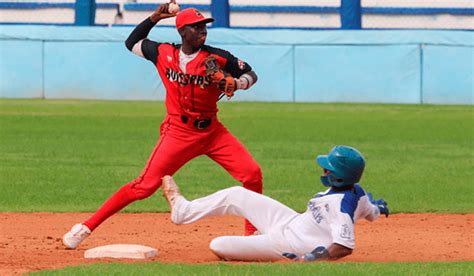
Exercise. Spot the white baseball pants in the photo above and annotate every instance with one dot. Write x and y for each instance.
(268, 215)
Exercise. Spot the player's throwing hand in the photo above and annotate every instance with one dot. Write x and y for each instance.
(163, 11)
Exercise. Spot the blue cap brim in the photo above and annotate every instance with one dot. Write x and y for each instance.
(323, 161)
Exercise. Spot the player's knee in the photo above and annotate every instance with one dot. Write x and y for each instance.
(218, 246)
(235, 192)
(144, 188)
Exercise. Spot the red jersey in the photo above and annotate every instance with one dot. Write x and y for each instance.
(191, 93)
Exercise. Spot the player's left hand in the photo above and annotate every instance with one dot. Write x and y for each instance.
(224, 81)
(227, 85)
(320, 253)
(380, 203)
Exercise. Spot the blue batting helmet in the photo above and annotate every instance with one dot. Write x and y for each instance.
(344, 164)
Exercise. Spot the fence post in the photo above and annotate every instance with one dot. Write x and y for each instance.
(85, 13)
(350, 13)
(220, 10)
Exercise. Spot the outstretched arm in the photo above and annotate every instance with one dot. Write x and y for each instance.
(380, 206)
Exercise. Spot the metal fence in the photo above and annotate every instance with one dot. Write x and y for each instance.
(299, 14)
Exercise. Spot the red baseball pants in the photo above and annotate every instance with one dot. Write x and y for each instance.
(179, 143)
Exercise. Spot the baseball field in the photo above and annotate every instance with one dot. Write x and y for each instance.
(61, 159)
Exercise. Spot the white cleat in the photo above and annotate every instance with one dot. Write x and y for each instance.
(170, 190)
(76, 235)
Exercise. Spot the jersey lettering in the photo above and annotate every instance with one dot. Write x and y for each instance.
(187, 79)
(316, 211)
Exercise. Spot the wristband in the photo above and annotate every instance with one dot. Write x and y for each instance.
(244, 82)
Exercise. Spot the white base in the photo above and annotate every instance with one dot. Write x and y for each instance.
(128, 251)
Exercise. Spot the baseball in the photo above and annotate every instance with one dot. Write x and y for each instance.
(173, 8)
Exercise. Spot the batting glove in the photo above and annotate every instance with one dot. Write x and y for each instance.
(320, 253)
(227, 85)
(380, 203)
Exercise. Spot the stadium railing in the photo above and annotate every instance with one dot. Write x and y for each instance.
(265, 14)
(417, 14)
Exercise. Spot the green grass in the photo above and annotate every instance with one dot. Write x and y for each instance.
(270, 269)
(72, 155)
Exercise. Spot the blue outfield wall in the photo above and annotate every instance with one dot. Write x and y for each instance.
(21, 69)
(98, 70)
(448, 75)
(434, 67)
(382, 73)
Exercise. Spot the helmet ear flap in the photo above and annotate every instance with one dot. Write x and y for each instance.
(330, 180)
(325, 180)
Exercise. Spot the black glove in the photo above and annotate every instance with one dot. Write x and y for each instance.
(290, 256)
(318, 254)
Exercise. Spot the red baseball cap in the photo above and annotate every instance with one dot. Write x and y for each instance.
(190, 16)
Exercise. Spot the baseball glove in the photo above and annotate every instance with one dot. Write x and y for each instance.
(224, 81)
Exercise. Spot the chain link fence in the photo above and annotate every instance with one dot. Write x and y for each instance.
(418, 14)
(320, 14)
(38, 11)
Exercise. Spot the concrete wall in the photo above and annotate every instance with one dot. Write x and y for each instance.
(433, 67)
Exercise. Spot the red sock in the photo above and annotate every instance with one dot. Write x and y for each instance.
(249, 228)
(115, 203)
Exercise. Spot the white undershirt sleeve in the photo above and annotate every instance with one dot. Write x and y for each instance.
(137, 49)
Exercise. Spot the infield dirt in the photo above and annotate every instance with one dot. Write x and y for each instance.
(32, 241)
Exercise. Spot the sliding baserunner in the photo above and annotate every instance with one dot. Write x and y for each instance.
(324, 232)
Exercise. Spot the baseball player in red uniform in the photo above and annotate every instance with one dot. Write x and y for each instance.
(195, 76)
